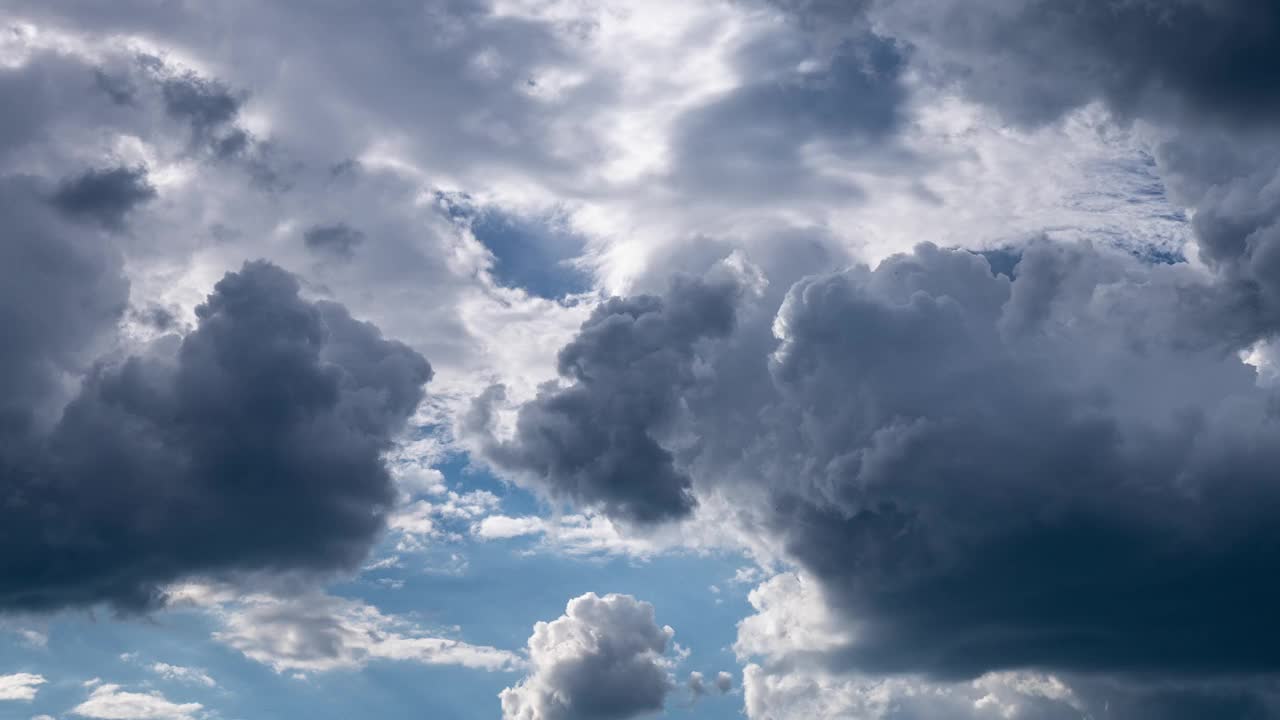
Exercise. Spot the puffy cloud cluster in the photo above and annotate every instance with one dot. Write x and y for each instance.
(1064, 469)
(604, 659)
(189, 458)
(597, 440)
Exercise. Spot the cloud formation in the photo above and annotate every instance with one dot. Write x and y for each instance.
(597, 440)
(186, 459)
(111, 702)
(604, 659)
(315, 633)
(20, 686)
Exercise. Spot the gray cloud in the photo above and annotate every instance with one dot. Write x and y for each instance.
(339, 239)
(598, 440)
(104, 196)
(1035, 59)
(990, 474)
(1058, 470)
(751, 142)
(253, 443)
(61, 293)
(602, 660)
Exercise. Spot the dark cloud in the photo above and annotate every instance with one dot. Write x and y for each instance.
(1060, 470)
(339, 240)
(602, 660)
(992, 474)
(105, 196)
(205, 104)
(252, 444)
(1035, 59)
(598, 440)
(751, 142)
(62, 291)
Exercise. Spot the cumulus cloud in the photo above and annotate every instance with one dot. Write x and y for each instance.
(20, 686)
(272, 407)
(1057, 467)
(604, 659)
(111, 702)
(597, 440)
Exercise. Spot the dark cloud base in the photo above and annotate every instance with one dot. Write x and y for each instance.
(253, 443)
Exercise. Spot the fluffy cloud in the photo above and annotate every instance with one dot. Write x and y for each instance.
(604, 659)
(20, 686)
(595, 440)
(111, 702)
(272, 407)
(1062, 469)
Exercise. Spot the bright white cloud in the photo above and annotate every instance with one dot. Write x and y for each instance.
(20, 686)
(110, 702)
(604, 659)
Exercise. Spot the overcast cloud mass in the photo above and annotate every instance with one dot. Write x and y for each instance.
(562, 360)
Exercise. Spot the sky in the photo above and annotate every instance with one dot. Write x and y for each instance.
(577, 360)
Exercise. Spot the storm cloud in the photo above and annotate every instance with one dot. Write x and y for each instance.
(253, 443)
(104, 196)
(597, 440)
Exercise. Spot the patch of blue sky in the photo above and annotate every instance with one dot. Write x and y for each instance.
(534, 253)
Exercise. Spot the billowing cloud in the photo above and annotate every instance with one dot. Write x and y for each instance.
(604, 659)
(597, 439)
(186, 459)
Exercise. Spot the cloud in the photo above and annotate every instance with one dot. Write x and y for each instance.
(1062, 470)
(316, 633)
(272, 407)
(596, 439)
(1035, 59)
(697, 684)
(502, 527)
(105, 196)
(602, 660)
(110, 702)
(20, 686)
(339, 240)
(188, 675)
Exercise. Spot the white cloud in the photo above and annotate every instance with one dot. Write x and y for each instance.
(793, 633)
(20, 686)
(604, 659)
(315, 632)
(189, 675)
(110, 702)
(502, 527)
